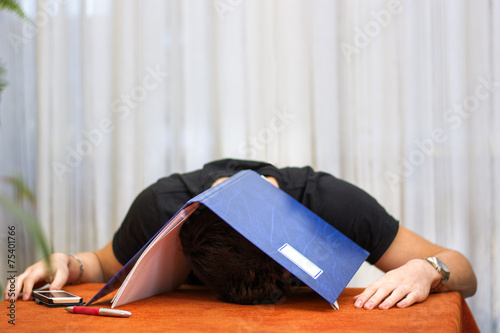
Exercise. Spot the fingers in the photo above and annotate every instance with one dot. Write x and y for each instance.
(39, 273)
(401, 287)
(26, 281)
(385, 298)
(410, 299)
(362, 300)
(60, 279)
(27, 285)
(398, 295)
(11, 289)
(14, 289)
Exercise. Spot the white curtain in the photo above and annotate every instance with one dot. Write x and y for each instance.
(399, 98)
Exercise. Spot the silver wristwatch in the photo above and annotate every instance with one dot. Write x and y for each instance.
(441, 268)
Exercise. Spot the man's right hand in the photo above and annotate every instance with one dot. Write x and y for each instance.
(98, 266)
(38, 274)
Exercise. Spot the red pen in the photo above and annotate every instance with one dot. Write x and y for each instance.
(98, 311)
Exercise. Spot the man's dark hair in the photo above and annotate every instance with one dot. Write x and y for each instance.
(230, 265)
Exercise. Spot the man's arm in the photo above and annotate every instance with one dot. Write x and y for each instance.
(98, 266)
(108, 262)
(409, 279)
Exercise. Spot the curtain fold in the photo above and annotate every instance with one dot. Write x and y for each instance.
(399, 98)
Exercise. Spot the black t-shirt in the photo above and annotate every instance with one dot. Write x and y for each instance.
(346, 207)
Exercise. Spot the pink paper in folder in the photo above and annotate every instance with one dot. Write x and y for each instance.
(167, 275)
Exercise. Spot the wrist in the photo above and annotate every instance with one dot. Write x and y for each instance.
(432, 277)
(443, 273)
(76, 269)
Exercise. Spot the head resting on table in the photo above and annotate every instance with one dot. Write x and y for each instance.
(230, 265)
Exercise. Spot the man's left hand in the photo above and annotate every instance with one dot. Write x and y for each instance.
(403, 286)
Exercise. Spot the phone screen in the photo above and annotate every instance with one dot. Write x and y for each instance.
(56, 296)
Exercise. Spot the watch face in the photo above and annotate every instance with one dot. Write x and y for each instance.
(445, 272)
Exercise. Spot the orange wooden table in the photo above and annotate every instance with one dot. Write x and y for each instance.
(195, 309)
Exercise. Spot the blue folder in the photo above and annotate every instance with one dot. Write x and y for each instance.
(299, 240)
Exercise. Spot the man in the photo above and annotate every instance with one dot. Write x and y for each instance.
(414, 266)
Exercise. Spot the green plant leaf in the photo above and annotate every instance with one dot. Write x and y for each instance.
(22, 191)
(16, 209)
(29, 221)
(13, 6)
(3, 81)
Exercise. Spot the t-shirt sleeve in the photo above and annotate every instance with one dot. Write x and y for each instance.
(353, 212)
(140, 224)
(149, 212)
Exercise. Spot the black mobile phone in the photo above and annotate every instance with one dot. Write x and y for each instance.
(56, 298)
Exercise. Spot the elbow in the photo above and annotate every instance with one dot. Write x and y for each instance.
(472, 287)
(470, 284)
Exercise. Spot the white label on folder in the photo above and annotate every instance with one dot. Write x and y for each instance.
(300, 260)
